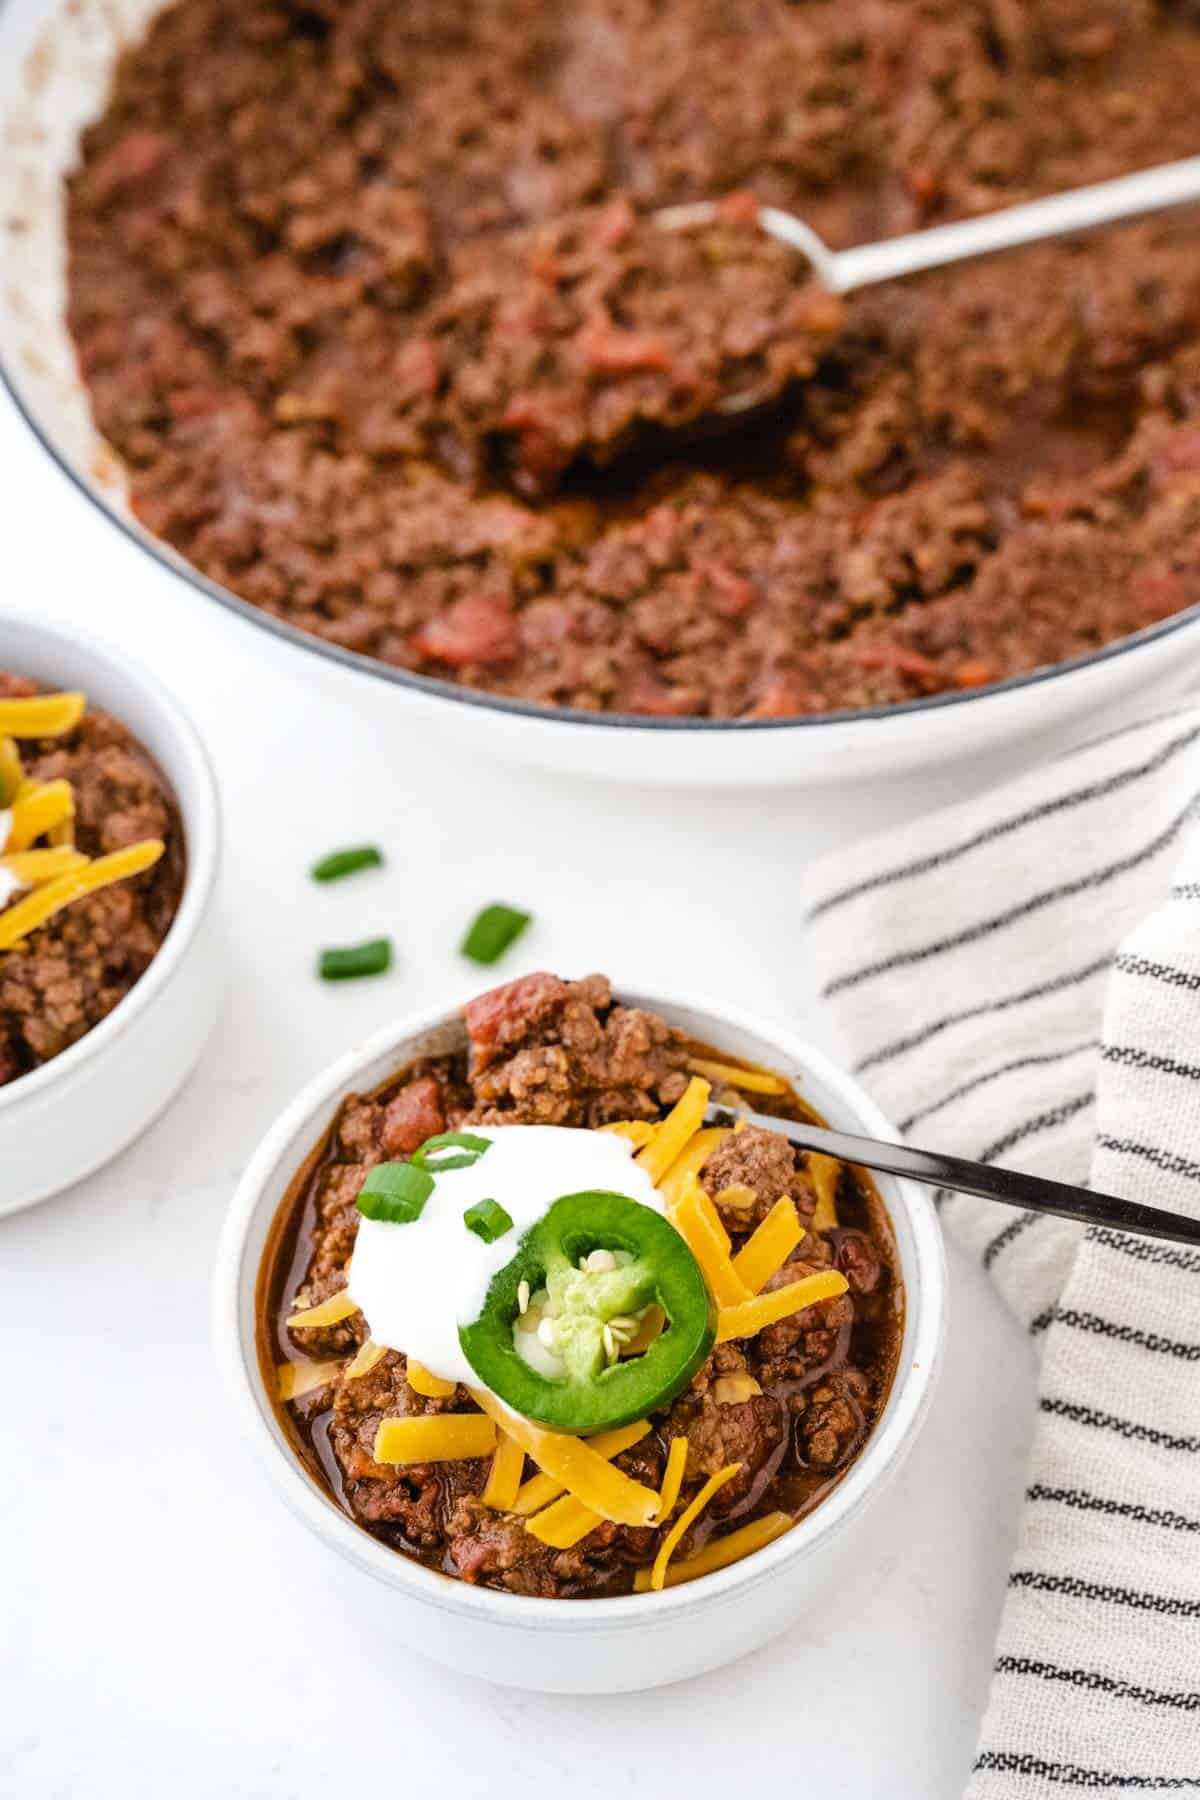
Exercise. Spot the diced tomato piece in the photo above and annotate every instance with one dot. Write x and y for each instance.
(412, 1115)
(608, 350)
(506, 1014)
(476, 629)
(132, 159)
(975, 672)
(739, 208)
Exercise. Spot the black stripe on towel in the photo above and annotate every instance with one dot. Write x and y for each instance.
(937, 859)
(1128, 1334)
(1143, 1250)
(1003, 1239)
(1166, 1160)
(1081, 1501)
(1092, 1681)
(1008, 1762)
(1128, 1056)
(1167, 1606)
(898, 1047)
(978, 1081)
(985, 928)
(1125, 1428)
(1057, 1115)
(1128, 964)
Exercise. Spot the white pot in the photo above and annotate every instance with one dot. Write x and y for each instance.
(70, 1115)
(604, 1645)
(56, 64)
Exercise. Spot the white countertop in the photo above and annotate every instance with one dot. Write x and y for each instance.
(164, 1628)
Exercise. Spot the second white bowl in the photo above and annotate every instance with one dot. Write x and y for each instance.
(66, 1118)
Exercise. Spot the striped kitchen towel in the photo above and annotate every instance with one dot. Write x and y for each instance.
(1018, 980)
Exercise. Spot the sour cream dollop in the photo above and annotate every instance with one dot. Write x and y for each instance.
(417, 1283)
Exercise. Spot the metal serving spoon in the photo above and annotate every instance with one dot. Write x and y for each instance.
(1010, 1186)
(1079, 209)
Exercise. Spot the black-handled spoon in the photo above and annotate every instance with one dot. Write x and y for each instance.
(1012, 1187)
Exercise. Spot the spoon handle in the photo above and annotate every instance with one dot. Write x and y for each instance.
(1010, 1186)
(1080, 209)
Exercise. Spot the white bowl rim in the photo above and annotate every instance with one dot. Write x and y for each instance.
(201, 815)
(433, 687)
(911, 1389)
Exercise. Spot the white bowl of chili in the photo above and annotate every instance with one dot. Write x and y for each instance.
(70, 1113)
(582, 1645)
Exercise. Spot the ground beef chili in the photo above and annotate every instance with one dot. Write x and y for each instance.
(353, 286)
(546, 1051)
(83, 961)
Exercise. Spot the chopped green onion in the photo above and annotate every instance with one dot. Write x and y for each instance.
(347, 862)
(492, 931)
(440, 1165)
(372, 958)
(445, 1141)
(395, 1192)
(488, 1220)
(461, 1140)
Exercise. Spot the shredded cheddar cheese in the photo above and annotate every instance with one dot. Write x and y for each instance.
(638, 1131)
(12, 774)
(504, 1477)
(720, 1552)
(695, 1219)
(826, 1172)
(539, 1490)
(753, 1316)
(736, 1196)
(577, 1466)
(41, 715)
(687, 1517)
(423, 1381)
(339, 1306)
(672, 1481)
(734, 1390)
(368, 1356)
(564, 1523)
(32, 867)
(690, 1161)
(17, 921)
(36, 809)
(295, 1379)
(684, 1118)
(771, 1245)
(751, 1081)
(434, 1437)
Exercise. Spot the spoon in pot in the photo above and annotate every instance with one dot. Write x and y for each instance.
(1060, 215)
(1012, 1187)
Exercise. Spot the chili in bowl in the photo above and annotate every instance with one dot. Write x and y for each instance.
(108, 854)
(529, 1342)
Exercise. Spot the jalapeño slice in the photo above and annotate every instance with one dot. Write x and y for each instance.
(594, 1392)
